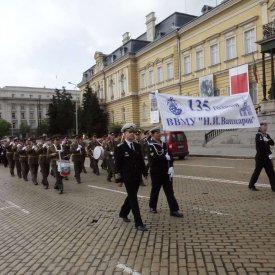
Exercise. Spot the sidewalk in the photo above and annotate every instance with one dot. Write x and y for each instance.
(225, 151)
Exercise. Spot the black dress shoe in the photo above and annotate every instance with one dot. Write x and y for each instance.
(141, 228)
(56, 187)
(109, 180)
(176, 214)
(152, 210)
(253, 188)
(61, 191)
(125, 219)
(46, 186)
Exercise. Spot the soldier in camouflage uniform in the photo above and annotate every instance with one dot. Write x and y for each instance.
(9, 153)
(23, 159)
(53, 153)
(17, 146)
(44, 160)
(94, 162)
(109, 151)
(33, 160)
(77, 157)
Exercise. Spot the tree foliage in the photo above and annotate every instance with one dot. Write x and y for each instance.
(61, 113)
(115, 128)
(93, 119)
(4, 127)
(25, 129)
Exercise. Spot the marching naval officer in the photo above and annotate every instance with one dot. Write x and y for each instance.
(161, 171)
(129, 167)
(263, 158)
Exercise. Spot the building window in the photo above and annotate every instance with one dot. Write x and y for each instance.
(249, 41)
(31, 108)
(32, 123)
(13, 95)
(30, 96)
(22, 95)
(122, 85)
(142, 80)
(214, 54)
(187, 64)
(199, 60)
(160, 74)
(151, 77)
(123, 116)
(230, 44)
(111, 87)
(31, 115)
(13, 107)
(144, 111)
(169, 71)
(112, 117)
(13, 115)
(14, 125)
(22, 107)
(22, 115)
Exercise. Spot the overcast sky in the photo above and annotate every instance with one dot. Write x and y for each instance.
(50, 42)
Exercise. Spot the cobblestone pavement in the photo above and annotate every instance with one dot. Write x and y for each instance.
(226, 229)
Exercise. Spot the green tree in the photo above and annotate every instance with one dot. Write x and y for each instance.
(25, 129)
(61, 113)
(115, 128)
(4, 127)
(93, 119)
(43, 127)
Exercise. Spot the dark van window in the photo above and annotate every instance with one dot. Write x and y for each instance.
(178, 137)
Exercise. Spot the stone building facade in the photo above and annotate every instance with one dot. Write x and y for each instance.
(173, 55)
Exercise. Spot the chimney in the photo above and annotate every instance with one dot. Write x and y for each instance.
(125, 37)
(151, 26)
(206, 9)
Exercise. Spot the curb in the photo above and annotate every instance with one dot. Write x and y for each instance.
(222, 156)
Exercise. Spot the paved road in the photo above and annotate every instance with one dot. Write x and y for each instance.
(227, 229)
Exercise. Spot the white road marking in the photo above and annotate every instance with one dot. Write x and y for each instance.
(127, 269)
(235, 159)
(206, 166)
(210, 211)
(13, 205)
(116, 191)
(218, 180)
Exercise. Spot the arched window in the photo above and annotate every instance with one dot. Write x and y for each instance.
(122, 85)
(111, 88)
(112, 117)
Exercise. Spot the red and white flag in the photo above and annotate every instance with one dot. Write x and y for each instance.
(239, 80)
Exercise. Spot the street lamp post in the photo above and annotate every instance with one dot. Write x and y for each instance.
(76, 114)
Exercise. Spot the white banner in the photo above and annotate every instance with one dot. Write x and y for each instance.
(182, 113)
(154, 112)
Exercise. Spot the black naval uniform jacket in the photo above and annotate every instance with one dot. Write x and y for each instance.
(158, 163)
(129, 164)
(263, 147)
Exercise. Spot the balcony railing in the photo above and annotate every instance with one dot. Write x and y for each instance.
(269, 30)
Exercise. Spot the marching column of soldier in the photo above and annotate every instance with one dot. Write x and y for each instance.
(126, 157)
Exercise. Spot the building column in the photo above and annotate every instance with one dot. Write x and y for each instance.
(264, 77)
(272, 90)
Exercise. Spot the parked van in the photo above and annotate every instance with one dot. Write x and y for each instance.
(176, 142)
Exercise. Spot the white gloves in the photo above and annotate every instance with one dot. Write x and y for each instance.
(45, 145)
(271, 156)
(168, 157)
(171, 172)
(63, 142)
(265, 139)
(34, 147)
(24, 148)
(19, 145)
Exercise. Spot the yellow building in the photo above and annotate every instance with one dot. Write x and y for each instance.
(173, 55)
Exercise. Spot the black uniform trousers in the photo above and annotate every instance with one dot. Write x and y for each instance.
(162, 180)
(131, 202)
(265, 163)
(78, 166)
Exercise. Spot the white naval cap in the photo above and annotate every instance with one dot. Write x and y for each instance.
(154, 129)
(128, 126)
